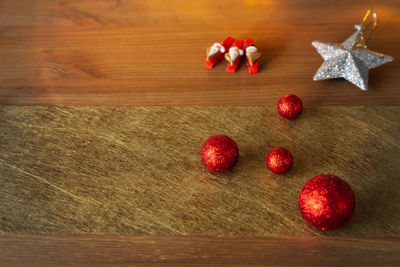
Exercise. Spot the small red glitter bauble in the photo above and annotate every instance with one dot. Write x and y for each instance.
(326, 202)
(290, 106)
(219, 153)
(279, 160)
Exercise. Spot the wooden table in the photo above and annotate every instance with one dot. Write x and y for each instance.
(105, 106)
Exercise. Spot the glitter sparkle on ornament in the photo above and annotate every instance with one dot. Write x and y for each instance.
(219, 153)
(351, 59)
(326, 202)
(279, 160)
(290, 106)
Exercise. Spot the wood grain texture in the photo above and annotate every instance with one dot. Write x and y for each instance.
(106, 250)
(138, 170)
(101, 52)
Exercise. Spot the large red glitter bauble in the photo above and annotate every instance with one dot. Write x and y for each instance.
(219, 153)
(290, 106)
(279, 160)
(326, 202)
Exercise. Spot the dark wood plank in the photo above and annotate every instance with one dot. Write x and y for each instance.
(138, 170)
(195, 251)
(101, 52)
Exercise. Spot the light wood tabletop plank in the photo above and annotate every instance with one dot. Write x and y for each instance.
(126, 250)
(101, 52)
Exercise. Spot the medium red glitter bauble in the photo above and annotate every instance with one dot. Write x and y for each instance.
(326, 202)
(290, 106)
(279, 160)
(219, 153)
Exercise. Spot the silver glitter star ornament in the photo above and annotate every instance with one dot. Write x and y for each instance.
(351, 59)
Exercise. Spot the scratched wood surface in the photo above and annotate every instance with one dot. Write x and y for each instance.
(102, 52)
(75, 170)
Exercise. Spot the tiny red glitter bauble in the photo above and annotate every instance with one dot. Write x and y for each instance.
(326, 202)
(290, 106)
(279, 160)
(219, 153)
